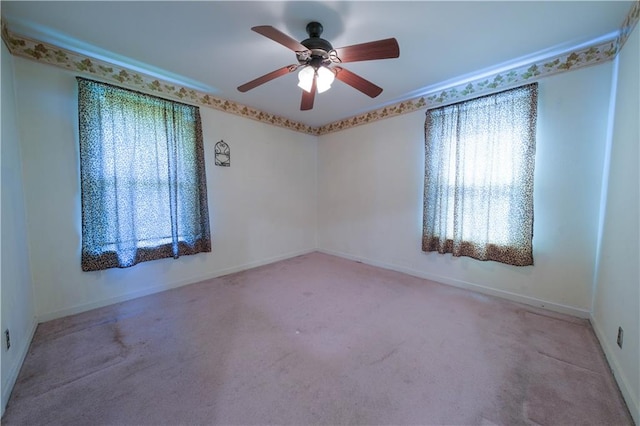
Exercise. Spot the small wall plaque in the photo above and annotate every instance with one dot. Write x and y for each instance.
(223, 154)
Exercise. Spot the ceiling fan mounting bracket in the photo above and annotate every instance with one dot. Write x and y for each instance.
(314, 29)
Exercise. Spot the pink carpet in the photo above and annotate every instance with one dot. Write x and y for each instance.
(316, 340)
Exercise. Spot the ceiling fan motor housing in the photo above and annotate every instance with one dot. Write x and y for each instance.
(319, 47)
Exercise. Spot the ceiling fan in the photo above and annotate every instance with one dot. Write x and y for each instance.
(315, 57)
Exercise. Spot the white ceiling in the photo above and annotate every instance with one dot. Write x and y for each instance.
(208, 45)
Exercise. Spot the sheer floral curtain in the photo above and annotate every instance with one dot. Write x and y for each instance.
(142, 174)
(478, 192)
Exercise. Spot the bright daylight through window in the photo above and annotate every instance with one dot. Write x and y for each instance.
(143, 180)
(478, 193)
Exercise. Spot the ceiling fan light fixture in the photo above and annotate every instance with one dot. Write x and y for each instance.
(305, 78)
(323, 75)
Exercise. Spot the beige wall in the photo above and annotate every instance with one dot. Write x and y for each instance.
(18, 313)
(262, 208)
(617, 295)
(370, 183)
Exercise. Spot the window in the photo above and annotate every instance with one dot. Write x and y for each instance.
(142, 175)
(478, 190)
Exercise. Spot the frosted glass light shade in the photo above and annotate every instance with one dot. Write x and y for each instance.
(325, 78)
(305, 78)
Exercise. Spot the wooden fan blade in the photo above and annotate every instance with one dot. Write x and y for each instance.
(380, 49)
(308, 97)
(279, 37)
(357, 82)
(267, 77)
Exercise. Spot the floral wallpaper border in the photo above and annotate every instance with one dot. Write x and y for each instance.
(629, 24)
(501, 81)
(554, 64)
(76, 62)
(587, 56)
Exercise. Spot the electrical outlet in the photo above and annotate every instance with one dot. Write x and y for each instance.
(620, 337)
(7, 339)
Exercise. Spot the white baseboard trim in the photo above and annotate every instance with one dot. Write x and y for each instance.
(10, 381)
(145, 292)
(622, 379)
(527, 300)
